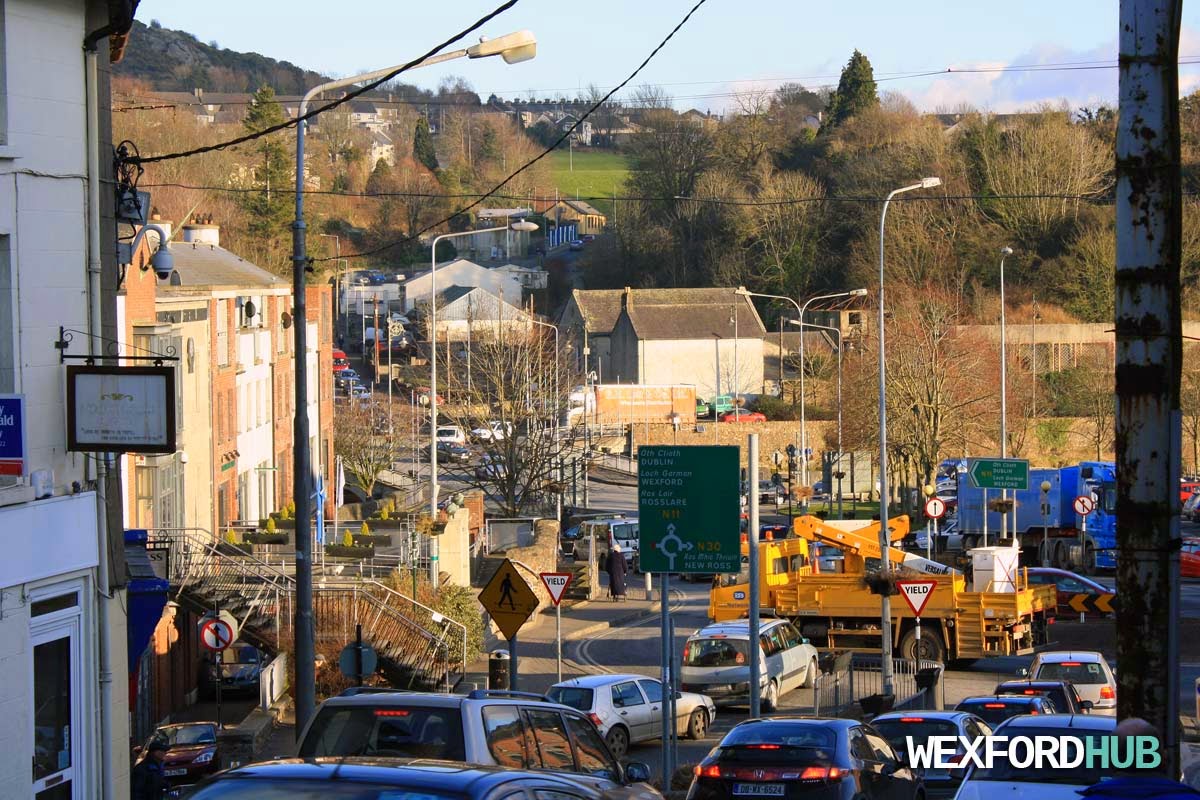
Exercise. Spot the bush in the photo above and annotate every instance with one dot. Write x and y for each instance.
(458, 603)
(776, 408)
(270, 524)
(364, 530)
(231, 536)
(348, 538)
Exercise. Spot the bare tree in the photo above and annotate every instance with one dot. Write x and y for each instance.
(360, 437)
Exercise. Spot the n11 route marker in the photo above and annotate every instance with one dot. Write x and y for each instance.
(999, 473)
(916, 594)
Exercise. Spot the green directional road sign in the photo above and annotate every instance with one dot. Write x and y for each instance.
(999, 473)
(689, 509)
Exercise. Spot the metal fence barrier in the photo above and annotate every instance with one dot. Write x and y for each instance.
(272, 681)
(847, 678)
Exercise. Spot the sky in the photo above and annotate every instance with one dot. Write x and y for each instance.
(728, 47)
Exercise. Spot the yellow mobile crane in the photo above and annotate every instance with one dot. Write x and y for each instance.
(998, 613)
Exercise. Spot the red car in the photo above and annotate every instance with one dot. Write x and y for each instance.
(1069, 583)
(1189, 559)
(191, 751)
(738, 415)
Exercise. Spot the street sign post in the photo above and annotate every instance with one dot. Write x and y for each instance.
(1083, 505)
(916, 594)
(935, 509)
(689, 509)
(556, 584)
(510, 602)
(999, 473)
(358, 659)
(218, 630)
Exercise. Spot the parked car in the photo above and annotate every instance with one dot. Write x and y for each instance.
(721, 404)
(716, 662)
(451, 452)
(191, 751)
(791, 757)
(1087, 671)
(1042, 780)
(1068, 583)
(490, 467)
(1189, 506)
(345, 377)
(742, 415)
(627, 709)
(703, 409)
(452, 434)
(588, 237)
(241, 664)
(1189, 558)
(515, 730)
(899, 727)
(400, 779)
(994, 709)
(576, 244)
(768, 492)
(340, 363)
(492, 431)
(1063, 694)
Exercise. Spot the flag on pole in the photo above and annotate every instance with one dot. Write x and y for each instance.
(319, 498)
(339, 484)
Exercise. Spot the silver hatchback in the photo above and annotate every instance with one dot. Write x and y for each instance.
(716, 661)
(629, 708)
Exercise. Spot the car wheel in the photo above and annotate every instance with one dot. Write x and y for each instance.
(618, 741)
(928, 648)
(810, 677)
(698, 725)
(770, 700)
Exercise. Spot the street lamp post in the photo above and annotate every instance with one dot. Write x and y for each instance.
(513, 48)
(1004, 253)
(885, 601)
(802, 325)
(1045, 487)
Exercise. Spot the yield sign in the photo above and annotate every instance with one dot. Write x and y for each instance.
(916, 594)
(556, 584)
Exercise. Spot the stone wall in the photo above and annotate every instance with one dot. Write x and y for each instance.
(454, 548)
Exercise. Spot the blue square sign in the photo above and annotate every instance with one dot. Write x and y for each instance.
(12, 434)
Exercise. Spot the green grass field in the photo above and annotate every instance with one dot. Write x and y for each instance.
(595, 174)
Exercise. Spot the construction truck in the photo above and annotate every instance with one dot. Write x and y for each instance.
(993, 612)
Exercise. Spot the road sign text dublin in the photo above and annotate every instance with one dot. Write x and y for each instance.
(999, 473)
(688, 509)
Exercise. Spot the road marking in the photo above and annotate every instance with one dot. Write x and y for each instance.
(583, 649)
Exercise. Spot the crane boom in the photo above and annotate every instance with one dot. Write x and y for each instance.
(863, 542)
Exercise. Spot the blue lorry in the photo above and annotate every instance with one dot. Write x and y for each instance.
(1051, 516)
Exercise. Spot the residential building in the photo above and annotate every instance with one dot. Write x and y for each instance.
(586, 217)
(588, 319)
(460, 272)
(532, 279)
(63, 662)
(466, 312)
(382, 149)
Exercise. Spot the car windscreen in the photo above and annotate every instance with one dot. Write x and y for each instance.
(186, 735)
(627, 532)
(715, 653)
(1003, 769)
(1080, 673)
(299, 789)
(766, 736)
(573, 696)
(391, 730)
(1057, 694)
(897, 731)
(993, 712)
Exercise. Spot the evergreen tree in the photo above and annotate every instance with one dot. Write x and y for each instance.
(270, 209)
(380, 179)
(855, 92)
(423, 150)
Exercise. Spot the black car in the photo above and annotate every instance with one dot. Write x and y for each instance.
(385, 779)
(449, 451)
(994, 709)
(1063, 694)
(814, 759)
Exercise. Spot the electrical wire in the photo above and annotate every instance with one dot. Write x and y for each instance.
(535, 159)
(334, 104)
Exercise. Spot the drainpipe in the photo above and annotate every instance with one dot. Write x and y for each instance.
(91, 77)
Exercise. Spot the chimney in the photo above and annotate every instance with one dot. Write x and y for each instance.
(627, 299)
(162, 223)
(202, 231)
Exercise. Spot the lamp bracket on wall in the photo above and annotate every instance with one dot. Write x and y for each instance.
(112, 350)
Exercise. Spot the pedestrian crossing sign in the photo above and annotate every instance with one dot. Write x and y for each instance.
(508, 599)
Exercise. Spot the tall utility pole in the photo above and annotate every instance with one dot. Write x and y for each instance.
(1148, 356)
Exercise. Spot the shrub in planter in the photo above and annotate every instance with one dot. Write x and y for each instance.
(373, 540)
(269, 537)
(348, 537)
(270, 526)
(349, 550)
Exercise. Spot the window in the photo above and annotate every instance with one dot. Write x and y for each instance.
(715, 653)
(387, 730)
(222, 333)
(143, 480)
(772, 642)
(553, 748)
(626, 695)
(594, 758)
(62, 602)
(791, 636)
(505, 736)
(879, 745)
(652, 689)
(859, 747)
(573, 696)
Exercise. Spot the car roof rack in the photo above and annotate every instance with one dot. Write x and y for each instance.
(483, 694)
(357, 690)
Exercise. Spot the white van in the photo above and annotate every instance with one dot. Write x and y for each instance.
(716, 662)
(623, 531)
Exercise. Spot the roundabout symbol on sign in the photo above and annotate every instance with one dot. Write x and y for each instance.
(672, 545)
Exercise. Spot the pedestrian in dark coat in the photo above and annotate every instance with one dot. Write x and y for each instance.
(616, 573)
(147, 781)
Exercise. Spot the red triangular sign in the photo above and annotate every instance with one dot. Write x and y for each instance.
(556, 584)
(916, 594)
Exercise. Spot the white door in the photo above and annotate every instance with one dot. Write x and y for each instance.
(56, 700)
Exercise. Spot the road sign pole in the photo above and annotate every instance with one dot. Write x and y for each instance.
(512, 662)
(752, 538)
(558, 641)
(358, 656)
(218, 658)
(929, 544)
(664, 589)
(985, 516)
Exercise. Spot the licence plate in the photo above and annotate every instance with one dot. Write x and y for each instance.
(172, 773)
(759, 789)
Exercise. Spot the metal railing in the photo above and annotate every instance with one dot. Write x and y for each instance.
(272, 681)
(855, 676)
(435, 616)
(616, 463)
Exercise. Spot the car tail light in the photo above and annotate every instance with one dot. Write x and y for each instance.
(956, 759)
(821, 774)
(391, 712)
(595, 718)
(993, 705)
(1107, 693)
(912, 719)
(1071, 664)
(1033, 712)
(1030, 691)
(762, 747)
(709, 771)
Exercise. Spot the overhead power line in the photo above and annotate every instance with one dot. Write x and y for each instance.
(334, 104)
(539, 156)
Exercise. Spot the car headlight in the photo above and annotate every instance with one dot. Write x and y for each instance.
(204, 757)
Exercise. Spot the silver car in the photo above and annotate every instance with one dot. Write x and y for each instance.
(1088, 670)
(716, 661)
(629, 708)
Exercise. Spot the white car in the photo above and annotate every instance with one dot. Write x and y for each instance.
(629, 708)
(1086, 669)
(1004, 780)
(716, 661)
(451, 434)
(492, 431)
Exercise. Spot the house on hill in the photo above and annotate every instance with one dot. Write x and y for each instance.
(461, 272)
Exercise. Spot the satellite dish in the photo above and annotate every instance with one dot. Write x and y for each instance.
(286, 319)
(249, 308)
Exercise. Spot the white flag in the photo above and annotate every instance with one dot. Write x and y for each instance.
(339, 484)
